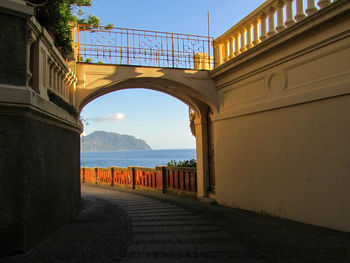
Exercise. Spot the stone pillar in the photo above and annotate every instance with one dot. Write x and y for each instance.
(289, 13)
(226, 50)
(243, 41)
(221, 53)
(202, 157)
(323, 3)
(263, 34)
(256, 32)
(249, 36)
(237, 52)
(271, 13)
(300, 15)
(29, 74)
(280, 25)
(232, 47)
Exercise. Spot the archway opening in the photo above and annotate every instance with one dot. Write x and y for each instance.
(173, 128)
(136, 127)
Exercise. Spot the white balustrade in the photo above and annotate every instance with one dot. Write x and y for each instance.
(237, 52)
(243, 41)
(226, 46)
(300, 15)
(280, 21)
(46, 69)
(323, 3)
(249, 36)
(232, 47)
(271, 13)
(311, 8)
(256, 32)
(246, 34)
(289, 13)
(263, 35)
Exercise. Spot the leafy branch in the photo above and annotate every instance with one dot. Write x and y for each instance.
(185, 163)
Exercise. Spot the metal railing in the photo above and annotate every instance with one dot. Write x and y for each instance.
(122, 46)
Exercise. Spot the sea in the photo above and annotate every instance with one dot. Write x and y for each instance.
(147, 158)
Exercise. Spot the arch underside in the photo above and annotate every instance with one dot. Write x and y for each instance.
(187, 95)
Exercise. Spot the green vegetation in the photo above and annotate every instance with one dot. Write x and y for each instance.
(185, 163)
(62, 103)
(57, 16)
(109, 26)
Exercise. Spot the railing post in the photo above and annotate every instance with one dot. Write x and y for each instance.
(249, 36)
(323, 3)
(280, 25)
(300, 15)
(216, 54)
(96, 175)
(132, 174)
(112, 176)
(243, 41)
(256, 32)
(311, 8)
(226, 46)
(237, 52)
(263, 35)
(232, 49)
(30, 41)
(220, 55)
(272, 30)
(172, 49)
(83, 175)
(289, 13)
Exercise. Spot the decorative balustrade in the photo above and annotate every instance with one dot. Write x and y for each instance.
(46, 68)
(162, 178)
(98, 44)
(260, 25)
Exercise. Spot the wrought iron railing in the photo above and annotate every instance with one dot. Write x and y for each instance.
(98, 44)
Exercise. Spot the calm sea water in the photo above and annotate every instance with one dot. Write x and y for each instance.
(151, 158)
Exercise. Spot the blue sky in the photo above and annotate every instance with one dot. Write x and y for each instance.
(158, 118)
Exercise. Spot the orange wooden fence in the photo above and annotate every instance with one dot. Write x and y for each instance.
(161, 178)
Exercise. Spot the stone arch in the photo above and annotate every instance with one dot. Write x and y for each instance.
(187, 95)
(199, 103)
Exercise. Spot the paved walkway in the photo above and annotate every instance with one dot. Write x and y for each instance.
(121, 226)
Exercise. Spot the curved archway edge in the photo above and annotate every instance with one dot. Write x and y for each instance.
(194, 88)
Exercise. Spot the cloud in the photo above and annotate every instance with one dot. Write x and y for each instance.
(110, 118)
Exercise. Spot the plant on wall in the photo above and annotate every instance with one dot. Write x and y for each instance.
(185, 163)
(57, 17)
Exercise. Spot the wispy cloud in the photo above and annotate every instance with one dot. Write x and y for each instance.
(115, 117)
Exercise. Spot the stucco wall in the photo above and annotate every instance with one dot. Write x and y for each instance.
(39, 180)
(290, 162)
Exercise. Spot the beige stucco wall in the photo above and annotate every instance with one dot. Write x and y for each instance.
(291, 162)
(282, 132)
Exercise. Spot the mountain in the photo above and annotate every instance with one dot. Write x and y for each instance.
(111, 141)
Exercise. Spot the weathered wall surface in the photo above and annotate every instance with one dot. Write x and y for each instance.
(39, 180)
(291, 162)
(12, 48)
(282, 133)
(39, 146)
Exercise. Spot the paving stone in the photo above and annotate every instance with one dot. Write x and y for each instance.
(120, 226)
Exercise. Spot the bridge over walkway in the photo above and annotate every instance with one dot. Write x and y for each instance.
(126, 226)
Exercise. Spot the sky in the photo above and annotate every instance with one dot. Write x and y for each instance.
(159, 119)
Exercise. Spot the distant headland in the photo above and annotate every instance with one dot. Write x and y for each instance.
(99, 141)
